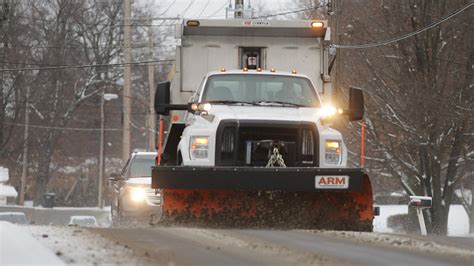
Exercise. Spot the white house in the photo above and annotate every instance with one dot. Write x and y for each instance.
(8, 193)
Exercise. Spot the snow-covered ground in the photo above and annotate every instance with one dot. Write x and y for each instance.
(19, 247)
(79, 246)
(458, 221)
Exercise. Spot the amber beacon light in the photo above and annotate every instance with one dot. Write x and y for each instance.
(193, 23)
(317, 24)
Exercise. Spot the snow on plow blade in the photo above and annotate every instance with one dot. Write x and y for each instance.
(339, 199)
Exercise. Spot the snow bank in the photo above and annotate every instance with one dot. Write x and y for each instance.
(380, 222)
(79, 246)
(458, 221)
(18, 246)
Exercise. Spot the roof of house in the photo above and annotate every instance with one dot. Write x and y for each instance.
(8, 191)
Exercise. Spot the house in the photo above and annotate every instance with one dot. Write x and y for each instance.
(8, 194)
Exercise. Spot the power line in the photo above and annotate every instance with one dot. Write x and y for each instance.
(218, 10)
(65, 128)
(406, 36)
(97, 24)
(187, 8)
(86, 66)
(204, 8)
(290, 12)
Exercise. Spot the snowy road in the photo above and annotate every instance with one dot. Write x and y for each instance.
(195, 246)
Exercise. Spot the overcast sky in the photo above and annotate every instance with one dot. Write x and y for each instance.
(212, 8)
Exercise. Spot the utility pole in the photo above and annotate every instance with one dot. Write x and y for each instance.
(100, 202)
(104, 97)
(127, 76)
(24, 171)
(151, 85)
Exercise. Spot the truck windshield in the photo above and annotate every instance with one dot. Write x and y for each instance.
(261, 89)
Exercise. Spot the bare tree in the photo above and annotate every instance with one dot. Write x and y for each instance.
(13, 32)
(72, 33)
(420, 94)
(420, 106)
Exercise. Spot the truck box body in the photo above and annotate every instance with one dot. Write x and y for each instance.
(224, 44)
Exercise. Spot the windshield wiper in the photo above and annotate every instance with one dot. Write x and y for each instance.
(280, 103)
(232, 102)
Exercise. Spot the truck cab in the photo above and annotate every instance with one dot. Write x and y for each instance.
(239, 116)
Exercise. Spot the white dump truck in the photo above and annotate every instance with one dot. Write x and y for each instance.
(245, 138)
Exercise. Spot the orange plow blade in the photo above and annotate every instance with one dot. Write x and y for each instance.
(328, 209)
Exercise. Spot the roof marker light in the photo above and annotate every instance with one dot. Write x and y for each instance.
(193, 23)
(259, 69)
(317, 24)
(272, 70)
(245, 69)
(293, 71)
(223, 70)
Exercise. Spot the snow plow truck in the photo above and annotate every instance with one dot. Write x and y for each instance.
(244, 134)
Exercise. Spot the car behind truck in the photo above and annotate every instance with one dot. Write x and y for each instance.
(244, 130)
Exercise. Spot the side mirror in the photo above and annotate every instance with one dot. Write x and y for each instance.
(115, 177)
(162, 98)
(356, 104)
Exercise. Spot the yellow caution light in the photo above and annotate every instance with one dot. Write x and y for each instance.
(223, 70)
(245, 69)
(259, 70)
(333, 146)
(317, 24)
(195, 107)
(272, 70)
(193, 23)
(201, 141)
(293, 71)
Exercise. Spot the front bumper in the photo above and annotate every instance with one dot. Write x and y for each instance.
(296, 179)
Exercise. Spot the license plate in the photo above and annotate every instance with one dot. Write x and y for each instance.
(332, 182)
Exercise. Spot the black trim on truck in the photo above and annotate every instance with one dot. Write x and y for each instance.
(251, 178)
(260, 125)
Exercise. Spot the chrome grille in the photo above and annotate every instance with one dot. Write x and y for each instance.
(307, 147)
(228, 140)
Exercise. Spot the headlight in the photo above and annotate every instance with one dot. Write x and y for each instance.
(199, 147)
(333, 151)
(137, 194)
(328, 111)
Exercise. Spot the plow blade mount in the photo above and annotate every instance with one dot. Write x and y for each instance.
(296, 198)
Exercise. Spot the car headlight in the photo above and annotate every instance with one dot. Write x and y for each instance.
(199, 147)
(137, 194)
(333, 151)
